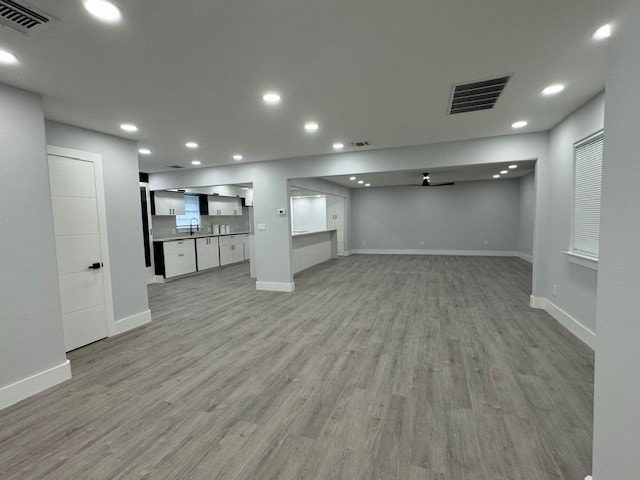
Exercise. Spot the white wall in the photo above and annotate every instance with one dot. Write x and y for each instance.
(124, 220)
(576, 285)
(31, 339)
(309, 214)
(617, 382)
(457, 217)
(526, 213)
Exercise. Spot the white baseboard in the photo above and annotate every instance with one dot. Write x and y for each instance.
(526, 257)
(567, 321)
(134, 321)
(276, 286)
(537, 302)
(34, 384)
(465, 253)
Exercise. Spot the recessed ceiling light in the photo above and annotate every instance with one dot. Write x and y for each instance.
(513, 166)
(367, 184)
(553, 89)
(520, 124)
(496, 176)
(191, 145)
(360, 182)
(196, 162)
(129, 127)
(338, 146)
(144, 151)
(503, 172)
(103, 10)
(311, 127)
(8, 57)
(603, 32)
(352, 178)
(271, 98)
(237, 157)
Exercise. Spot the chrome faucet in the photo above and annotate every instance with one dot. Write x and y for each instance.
(191, 225)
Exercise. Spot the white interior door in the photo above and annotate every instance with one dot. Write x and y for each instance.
(76, 223)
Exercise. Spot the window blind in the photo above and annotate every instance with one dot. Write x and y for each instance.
(587, 196)
(191, 211)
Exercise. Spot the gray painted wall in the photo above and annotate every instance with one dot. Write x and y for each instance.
(273, 246)
(526, 213)
(124, 220)
(617, 383)
(577, 285)
(457, 217)
(31, 339)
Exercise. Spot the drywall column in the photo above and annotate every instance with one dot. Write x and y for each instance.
(274, 265)
(617, 383)
(32, 355)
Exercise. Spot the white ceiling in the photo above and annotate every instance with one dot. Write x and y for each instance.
(374, 70)
(465, 173)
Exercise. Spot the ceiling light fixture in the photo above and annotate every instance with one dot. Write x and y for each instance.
(8, 57)
(237, 157)
(191, 145)
(496, 176)
(503, 172)
(520, 124)
(129, 127)
(103, 10)
(603, 32)
(271, 98)
(144, 151)
(553, 89)
(352, 178)
(338, 146)
(513, 166)
(311, 127)
(367, 184)
(196, 162)
(360, 182)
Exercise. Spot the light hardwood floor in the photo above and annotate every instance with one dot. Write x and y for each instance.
(376, 367)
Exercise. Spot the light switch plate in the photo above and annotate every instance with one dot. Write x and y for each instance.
(262, 227)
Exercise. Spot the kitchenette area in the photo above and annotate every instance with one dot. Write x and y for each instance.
(194, 230)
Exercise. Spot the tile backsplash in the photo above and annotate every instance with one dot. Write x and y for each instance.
(165, 226)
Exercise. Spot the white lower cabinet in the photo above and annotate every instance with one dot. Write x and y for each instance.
(231, 249)
(208, 253)
(179, 258)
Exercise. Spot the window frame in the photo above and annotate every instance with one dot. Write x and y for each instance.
(182, 227)
(576, 256)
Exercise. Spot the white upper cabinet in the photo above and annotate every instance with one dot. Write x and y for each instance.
(224, 206)
(168, 203)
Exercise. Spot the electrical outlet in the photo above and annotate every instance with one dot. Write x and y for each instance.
(262, 227)
(173, 230)
(422, 243)
(486, 242)
(363, 242)
(554, 290)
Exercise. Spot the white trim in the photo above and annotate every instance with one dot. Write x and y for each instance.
(34, 384)
(102, 224)
(276, 286)
(526, 257)
(537, 302)
(134, 321)
(567, 321)
(582, 260)
(466, 253)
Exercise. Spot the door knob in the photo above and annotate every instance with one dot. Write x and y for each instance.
(95, 266)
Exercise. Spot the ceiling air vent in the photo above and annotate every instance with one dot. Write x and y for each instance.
(22, 17)
(175, 166)
(482, 95)
(360, 144)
